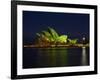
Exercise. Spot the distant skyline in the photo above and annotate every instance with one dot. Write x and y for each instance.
(71, 24)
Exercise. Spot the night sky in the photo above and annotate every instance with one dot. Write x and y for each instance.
(71, 24)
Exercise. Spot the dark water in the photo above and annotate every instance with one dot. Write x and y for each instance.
(55, 57)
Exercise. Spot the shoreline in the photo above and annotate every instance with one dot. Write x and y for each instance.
(53, 46)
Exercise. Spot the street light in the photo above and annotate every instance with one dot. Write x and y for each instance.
(83, 40)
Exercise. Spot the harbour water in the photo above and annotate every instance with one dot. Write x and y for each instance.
(55, 57)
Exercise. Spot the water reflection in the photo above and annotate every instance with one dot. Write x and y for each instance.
(84, 56)
(52, 57)
(55, 57)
